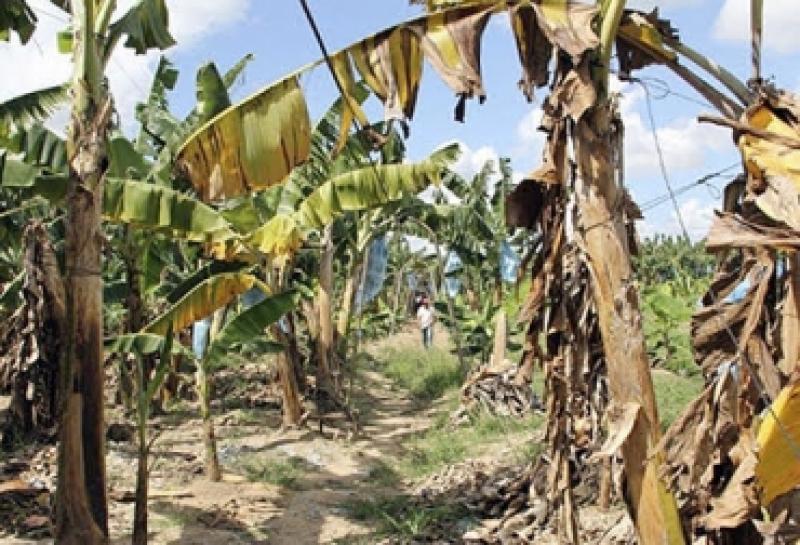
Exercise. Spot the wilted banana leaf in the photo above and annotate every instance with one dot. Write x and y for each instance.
(143, 344)
(250, 324)
(204, 299)
(391, 65)
(451, 41)
(252, 145)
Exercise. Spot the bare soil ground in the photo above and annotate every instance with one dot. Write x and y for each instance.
(279, 487)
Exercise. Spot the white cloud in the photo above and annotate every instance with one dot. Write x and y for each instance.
(530, 139)
(39, 64)
(781, 20)
(685, 143)
(472, 161)
(697, 217)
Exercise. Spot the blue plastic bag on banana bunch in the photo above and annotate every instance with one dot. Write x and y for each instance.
(375, 272)
(452, 283)
(509, 262)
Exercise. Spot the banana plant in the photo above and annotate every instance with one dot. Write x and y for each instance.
(81, 508)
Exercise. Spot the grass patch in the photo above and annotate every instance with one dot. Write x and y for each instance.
(426, 374)
(401, 517)
(673, 394)
(442, 445)
(383, 474)
(280, 472)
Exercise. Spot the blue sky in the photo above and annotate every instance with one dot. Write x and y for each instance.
(278, 35)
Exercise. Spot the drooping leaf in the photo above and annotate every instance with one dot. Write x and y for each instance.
(33, 107)
(250, 324)
(370, 187)
(143, 344)
(451, 41)
(201, 301)
(37, 146)
(16, 16)
(145, 26)
(206, 272)
(252, 145)
(391, 65)
(162, 209)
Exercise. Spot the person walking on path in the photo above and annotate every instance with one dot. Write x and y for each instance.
(425, 320)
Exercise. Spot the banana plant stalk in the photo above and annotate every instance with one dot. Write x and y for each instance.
(203, 377)
(147, 388)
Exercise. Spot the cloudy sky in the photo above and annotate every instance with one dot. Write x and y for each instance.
(276, 32)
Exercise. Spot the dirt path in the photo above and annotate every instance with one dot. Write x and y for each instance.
(281, 488)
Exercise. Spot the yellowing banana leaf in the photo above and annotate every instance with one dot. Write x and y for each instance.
(365, 188)
(451, 41)
(351, 107)
(252, 145)
(200, 302)
(774, 164)
(567, 25)
(250, 324)
(778, 466)
(535, 50)
(280, 237)
(156, 207)
(391, 65)
(637, 30)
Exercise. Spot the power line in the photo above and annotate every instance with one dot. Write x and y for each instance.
(703, 180)
(661, 163)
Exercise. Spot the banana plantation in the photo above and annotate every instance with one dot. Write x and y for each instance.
(269, 320)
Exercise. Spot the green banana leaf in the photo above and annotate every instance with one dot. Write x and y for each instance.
(371, 187)
(37, 146)
(237, 70)
(143, 344)
(33, 107)
(251, 323)
(145, 26)
(160, 208)
(202, 300)
(212, 93)
(16, 16)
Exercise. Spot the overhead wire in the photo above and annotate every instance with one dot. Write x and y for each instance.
(661, 162)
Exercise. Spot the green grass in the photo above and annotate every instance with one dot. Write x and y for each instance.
(673, 394)
(442, 445)
(401, 517)
(426, 374)
(280, 472)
